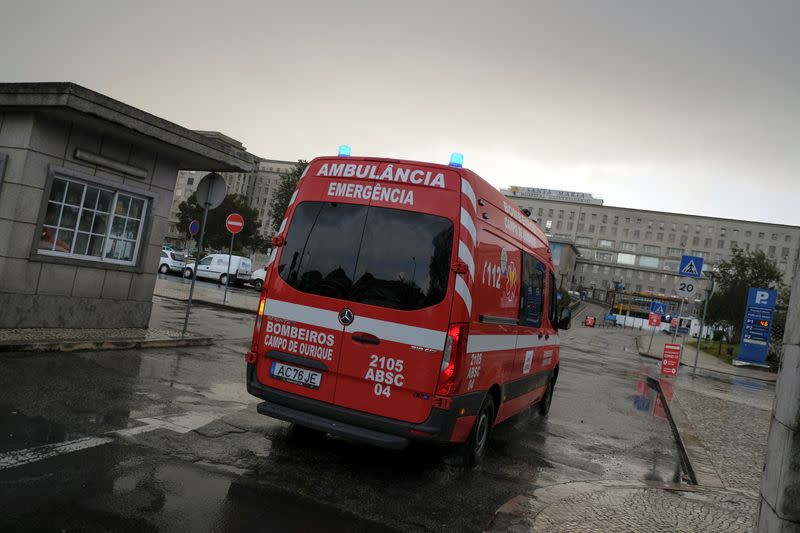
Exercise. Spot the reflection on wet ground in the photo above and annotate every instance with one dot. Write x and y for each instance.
(146, 495)
(208, 462)
(20, 431)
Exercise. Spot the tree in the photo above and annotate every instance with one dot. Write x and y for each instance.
(286, 187)
(217, 235)
(734, 277)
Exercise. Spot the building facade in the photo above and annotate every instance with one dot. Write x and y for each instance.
(86, 183)
(257, 186)
(641, 249)
(565, 258)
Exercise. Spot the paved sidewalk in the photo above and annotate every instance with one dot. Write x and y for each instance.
(606, 506)
(722, 416)
(705, 362)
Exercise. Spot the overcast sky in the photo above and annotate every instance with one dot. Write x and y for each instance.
(682, 106)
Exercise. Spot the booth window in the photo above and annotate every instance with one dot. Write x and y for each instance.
(90, 222)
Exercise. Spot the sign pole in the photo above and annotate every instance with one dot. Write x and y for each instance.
(212, 189)
(194, 270)
(627, 314)
(228, 271)
(652, 334)
(680, 310)
(702, 325)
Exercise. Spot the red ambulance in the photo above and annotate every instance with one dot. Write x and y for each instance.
(405, 301)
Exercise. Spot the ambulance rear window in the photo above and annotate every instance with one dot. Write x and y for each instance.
(373, 255)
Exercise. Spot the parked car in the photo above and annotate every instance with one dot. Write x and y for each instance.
(171, 261)
(215, 267)
(257, 278)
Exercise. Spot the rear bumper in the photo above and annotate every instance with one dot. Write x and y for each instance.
(357, 425)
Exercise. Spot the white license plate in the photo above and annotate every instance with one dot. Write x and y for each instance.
(293, 374)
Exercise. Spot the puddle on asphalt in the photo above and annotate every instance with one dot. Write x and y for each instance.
(19, 431)
(176, 496)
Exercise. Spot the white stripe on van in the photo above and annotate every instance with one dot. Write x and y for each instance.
(283, 225)
(463, 290)
(464, 255)
(491, 343)
(466, 189)
(469, 225)
(302, 313)
(291, 200)
(390, 331)
(272, 255)
(494, 343)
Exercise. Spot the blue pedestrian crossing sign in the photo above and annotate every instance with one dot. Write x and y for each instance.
(691, 266)
(659, 308)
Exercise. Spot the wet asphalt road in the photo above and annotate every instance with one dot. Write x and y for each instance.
(169, 440)
(177, 279)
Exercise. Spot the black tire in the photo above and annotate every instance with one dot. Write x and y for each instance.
(164, 269)
(258, 284)
(222, 279)
(547, 400)
(187, 273)
(474, 450)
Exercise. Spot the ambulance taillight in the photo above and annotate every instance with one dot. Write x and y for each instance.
(453, 357)
(251, 356)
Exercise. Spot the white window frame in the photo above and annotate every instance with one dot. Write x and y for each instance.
(116, 192)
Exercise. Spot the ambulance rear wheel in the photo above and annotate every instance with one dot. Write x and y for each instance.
(547, 399)
(475, 448)
(164, 269)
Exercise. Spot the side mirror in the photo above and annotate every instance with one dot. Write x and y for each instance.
(565, 320)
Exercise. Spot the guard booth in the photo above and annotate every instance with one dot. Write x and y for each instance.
(86, 184)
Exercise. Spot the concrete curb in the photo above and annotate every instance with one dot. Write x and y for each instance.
(102, 344)
(655, 384)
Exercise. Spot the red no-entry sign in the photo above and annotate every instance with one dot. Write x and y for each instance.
(234, 223)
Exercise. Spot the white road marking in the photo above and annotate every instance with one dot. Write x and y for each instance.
(46, 451)
(181, 424)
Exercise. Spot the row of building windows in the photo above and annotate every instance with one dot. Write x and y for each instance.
(549, 222)
(650, 235)
(650, 261)
(650, 249)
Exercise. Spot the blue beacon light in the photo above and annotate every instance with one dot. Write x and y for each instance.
(344, 151)
(456, 160)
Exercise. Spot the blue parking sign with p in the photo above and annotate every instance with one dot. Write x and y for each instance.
(659, 308)
(691, 266)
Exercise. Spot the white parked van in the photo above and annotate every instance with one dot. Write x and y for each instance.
(215, 267)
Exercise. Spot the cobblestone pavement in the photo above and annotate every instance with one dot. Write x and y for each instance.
(623, 507)
(734, 433)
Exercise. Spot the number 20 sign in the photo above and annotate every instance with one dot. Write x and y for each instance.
(685, 287)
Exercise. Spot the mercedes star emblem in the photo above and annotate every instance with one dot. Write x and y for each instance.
(346, 317)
